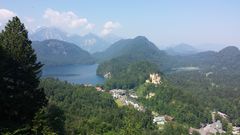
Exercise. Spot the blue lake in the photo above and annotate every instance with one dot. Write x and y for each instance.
(78, 74)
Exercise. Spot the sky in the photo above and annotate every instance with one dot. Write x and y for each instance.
(201, 23)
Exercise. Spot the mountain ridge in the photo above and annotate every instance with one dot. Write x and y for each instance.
(56, 52)
(89, 42)
(139, 46)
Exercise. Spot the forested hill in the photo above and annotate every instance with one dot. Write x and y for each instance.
(56, 52)
(126, 75)
(139, 47)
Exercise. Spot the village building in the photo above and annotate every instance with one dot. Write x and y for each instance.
(168, 118)
(222, 115)
(154, 79)
(160, 120)
(236, 130)
(134, 104)
(125, 99)
(107, 75)
(133, 95)
(117, 93)
(100, 89)
(209, 129)
(150, 95)
(154, 113)
(87, 85)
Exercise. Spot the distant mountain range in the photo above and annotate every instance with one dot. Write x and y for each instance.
(45, 33)
(90, 42)
(141, 49)
(223, 64)
(56, 52)
(181, 49)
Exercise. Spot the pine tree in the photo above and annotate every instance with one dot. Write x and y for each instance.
(20, 95)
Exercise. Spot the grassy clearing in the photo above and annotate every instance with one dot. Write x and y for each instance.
(119, 102)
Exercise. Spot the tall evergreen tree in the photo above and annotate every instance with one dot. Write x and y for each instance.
(20, 95)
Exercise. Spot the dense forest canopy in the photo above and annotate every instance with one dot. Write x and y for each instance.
(88, 111)
(125, 74)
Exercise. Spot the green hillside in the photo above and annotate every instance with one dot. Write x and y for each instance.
(56, 52)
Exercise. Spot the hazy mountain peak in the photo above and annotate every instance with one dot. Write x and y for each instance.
(45, 33)
(91, 35)
(230, 51)
(184, 45)
(112, 38)
(181, 49)
(44, 28)
(141, 38)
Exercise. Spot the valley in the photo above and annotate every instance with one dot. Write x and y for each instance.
(190, 83)
(119, 68)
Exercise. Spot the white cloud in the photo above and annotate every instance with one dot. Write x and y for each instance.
(29, 19)
(5, 15)
(65, 20)
(90, 26)
(78, 23)
(109, 27)
(30, 23)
